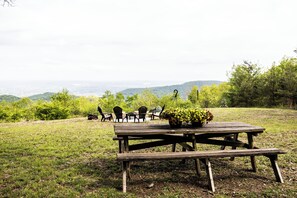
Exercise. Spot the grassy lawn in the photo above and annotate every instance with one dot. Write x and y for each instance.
(76, 158)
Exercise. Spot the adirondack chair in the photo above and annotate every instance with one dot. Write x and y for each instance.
(141, 113)
(118, 111)
(105, 116)
(155, 114)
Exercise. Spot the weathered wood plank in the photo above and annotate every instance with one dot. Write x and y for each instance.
(197, 154)
(144, 131)
(152, 144)
(164, 126)
(161, 137)
(223, 142)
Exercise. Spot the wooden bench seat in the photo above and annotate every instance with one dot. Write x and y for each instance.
(204, 156)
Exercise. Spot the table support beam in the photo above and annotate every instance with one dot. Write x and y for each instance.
(251, 146)
(276, 170)
(126, 150)
(124, 176)
(197, 162)
(209, 175)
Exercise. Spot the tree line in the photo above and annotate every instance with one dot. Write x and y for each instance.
(247, 86)
(276, 87)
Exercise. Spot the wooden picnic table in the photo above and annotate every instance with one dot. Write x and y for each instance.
(164, 135)
(215, 133)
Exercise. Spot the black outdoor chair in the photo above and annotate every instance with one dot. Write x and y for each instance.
(141, 113)
(118, 111)
(158, 115)
(105, 116)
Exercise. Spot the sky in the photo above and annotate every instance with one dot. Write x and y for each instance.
(152, 40)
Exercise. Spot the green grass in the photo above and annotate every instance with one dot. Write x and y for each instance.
(76, 158)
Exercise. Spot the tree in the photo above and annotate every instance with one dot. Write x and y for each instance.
(288, 81)
(62, 97)
(146, 98)
(194, 95)
(271, 85)
(130, 101)
(107, 101)
(244, 83)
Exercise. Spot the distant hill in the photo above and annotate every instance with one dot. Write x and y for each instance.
(9, 98)
(45, 96)
(183, 89)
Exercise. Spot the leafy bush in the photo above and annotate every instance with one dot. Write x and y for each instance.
(3, 114)
(51, 111)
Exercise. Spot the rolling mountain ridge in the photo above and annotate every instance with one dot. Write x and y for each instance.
(183, 89)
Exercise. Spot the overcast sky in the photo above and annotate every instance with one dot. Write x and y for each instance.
(174, 40)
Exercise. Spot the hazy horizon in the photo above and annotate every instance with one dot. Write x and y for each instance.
(80, 88)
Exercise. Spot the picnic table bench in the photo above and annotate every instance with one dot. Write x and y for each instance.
(162, 134)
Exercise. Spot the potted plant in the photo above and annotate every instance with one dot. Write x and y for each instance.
(198, 117)
(177, 116)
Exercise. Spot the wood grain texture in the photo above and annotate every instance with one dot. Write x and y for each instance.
(197, 154)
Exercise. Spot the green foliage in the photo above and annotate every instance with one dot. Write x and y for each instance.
(63, 98)
(288, 81)
(130, 102)
(45, 96)
(187, 115)
(244, 83)
(193, 96)
(108, 101)
(15, 111)
(145, 98)
(83, 106)
(214, 96)
(275, 87)
(4, 113)
(51, 111)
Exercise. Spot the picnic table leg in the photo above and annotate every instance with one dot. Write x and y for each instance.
(235, 138)
(120, 146)
(183, 150)
(124, 176)
(226, 138)
(197, 161)
(173, 147)
(126, 149)
(209, 175)
(223, 146)
(251, 146)
(276, 170)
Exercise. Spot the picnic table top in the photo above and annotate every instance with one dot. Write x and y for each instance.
(163, 129)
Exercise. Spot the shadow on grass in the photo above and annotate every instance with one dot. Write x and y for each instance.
(107, 173)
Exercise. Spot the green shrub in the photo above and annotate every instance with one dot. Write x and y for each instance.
(3, 114)
(51, 111)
